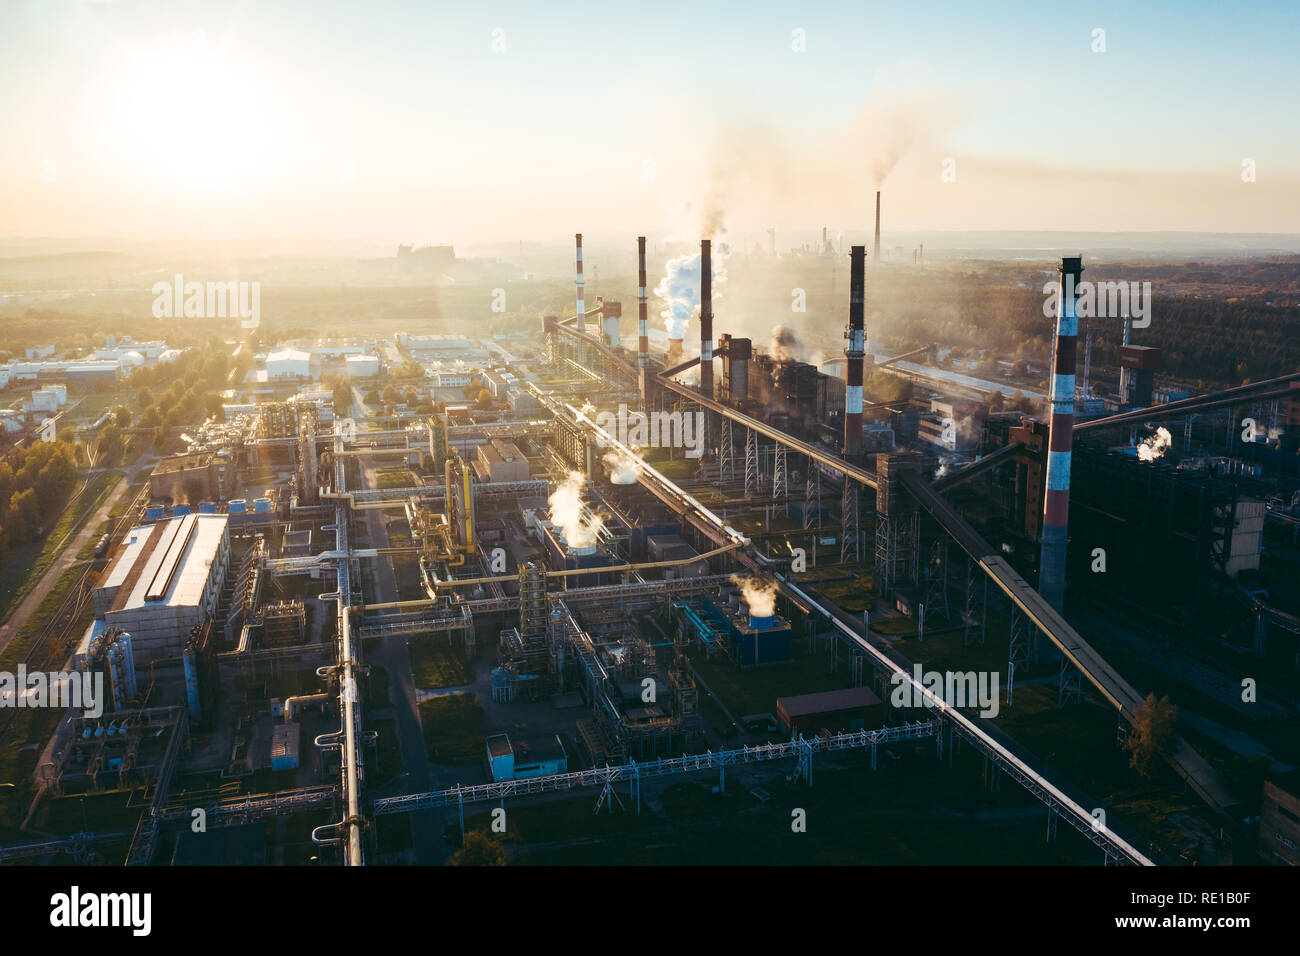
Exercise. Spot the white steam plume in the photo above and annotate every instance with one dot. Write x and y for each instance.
(1155, 447)
(758, 594)
(581, 528)
(680, 288)
(622, 471)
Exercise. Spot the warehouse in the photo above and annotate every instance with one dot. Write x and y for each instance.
(853, 708)
(287, 364)
(362, 366)
(500, 460)
(166, 579)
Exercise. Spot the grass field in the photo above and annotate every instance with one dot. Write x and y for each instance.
(754, 691)
(17, 649)
(453, 729)
(395, 478)
(435, 665)
(25, 566)
(913, 810)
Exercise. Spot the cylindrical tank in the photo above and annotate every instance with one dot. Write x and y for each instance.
(128, 659)
(192, 682)
(238, 506)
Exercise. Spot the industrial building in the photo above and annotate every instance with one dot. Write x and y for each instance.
(1279, 820)
(508, 760)
(852, 708)
(288, 364)
(499, 460)
(164, 581)
(188, 478)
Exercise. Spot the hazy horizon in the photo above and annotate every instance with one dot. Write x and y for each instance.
(393, 121)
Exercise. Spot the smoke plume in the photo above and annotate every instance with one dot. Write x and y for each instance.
(1155, 447)
(622, 471)
(758, 594)
(581, 528)
(785, 345)
(680, 287)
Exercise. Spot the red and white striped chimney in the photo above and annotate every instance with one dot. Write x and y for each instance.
(706, 317)
(582, 302)
(642, 318)
(853, 353)
(1060, 441)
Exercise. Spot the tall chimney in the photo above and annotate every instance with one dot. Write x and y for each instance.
(582, 302)
(875, 250)
(1123, 372)
(853, 353)
(642, 320)
(706, 317)
(1056, 502)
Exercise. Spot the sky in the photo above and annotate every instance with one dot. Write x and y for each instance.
(469, 122)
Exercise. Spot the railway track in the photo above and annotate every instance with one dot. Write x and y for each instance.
(50, 648)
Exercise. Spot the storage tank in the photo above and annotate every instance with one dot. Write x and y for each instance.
(192, 682)
(238, 506)
(261, 505)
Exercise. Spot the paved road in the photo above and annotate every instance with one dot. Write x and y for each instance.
(67, 557)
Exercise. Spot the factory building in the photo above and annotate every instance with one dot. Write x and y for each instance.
(496, 383)
(165, 580)
(500, 460)
(362, 366)
(514, 761)
(288, 363)
(673, 547)
(187, 478)
(853, 708)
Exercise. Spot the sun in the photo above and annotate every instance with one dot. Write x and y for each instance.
(195, 119)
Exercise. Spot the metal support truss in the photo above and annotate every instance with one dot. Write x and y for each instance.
(726, 454)
(1017, 647)
(850, 516)
(804, 748)
(751, 462)
(805, 768)
(780, 477)
(936, 579)
(1069, 683)
(812, 494)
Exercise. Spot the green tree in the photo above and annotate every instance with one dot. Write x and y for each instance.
(1153, 726)
(479, 849)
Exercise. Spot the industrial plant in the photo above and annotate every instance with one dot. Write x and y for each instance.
(335, 618)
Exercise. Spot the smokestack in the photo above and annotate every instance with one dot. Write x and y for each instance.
(1123, 372)
(1056, 503)
(642, 320)
(854, 352)
(875, 250)
(582, 302)
(706, 317)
